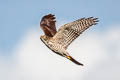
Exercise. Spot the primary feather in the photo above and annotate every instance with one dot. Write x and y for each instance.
(69, 32)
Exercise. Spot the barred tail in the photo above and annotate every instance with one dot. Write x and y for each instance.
(73, 60)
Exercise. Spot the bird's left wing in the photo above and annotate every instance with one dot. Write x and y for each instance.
(69, 32)
(47, 24)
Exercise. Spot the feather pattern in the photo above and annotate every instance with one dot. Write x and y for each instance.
(59, 41)
(69, 32)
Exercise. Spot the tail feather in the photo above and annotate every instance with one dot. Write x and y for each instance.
(73, 60)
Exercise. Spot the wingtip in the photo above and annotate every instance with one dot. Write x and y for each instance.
(52, 16)
(95, 20)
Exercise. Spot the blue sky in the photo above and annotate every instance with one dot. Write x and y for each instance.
(24, 56)
(16, 16)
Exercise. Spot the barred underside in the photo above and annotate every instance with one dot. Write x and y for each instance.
(69, 32)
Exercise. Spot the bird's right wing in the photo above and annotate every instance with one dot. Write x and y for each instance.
(69, 32)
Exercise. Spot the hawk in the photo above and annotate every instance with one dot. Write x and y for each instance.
(58, 41)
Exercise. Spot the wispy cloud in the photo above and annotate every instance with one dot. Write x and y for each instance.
(34, 61)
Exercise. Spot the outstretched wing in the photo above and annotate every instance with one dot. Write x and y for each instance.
(69, 32)
(47, 24)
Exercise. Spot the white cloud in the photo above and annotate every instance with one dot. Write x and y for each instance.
(34, 61)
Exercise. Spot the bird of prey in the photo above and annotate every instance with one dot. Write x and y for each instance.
(58, 41)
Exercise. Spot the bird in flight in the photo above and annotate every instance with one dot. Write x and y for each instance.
(58, 41)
